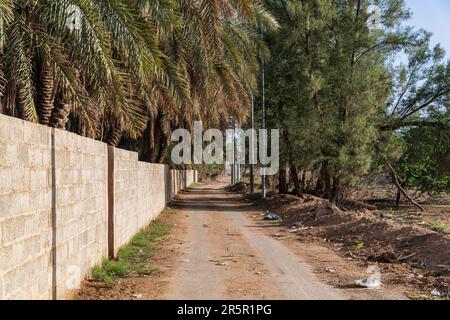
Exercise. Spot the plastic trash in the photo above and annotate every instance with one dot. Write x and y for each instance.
(272, 217)
(437, 293)
(369, 283)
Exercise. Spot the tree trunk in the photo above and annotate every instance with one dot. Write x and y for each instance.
(326, 178)
(400, 188)
(303, 181)
(298, 189)
(398, 198)
(60, 113)
(164, 149)
(147, 142)
(282, 183)
(154, 152)
(45, 93)
(336, 192)
(114, 134)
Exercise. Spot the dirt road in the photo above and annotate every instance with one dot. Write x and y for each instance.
(220, 249)
(228, 258)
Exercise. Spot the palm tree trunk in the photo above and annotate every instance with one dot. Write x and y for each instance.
(114, 135)
(45, 93)
(147, 142)
(164, 149)
(60, 114)
(157, 136)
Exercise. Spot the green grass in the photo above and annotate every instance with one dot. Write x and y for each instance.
(356, 247)
(437, 226)
(134, 258)
(195, 185)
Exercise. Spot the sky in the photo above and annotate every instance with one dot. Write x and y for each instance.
(433, 16)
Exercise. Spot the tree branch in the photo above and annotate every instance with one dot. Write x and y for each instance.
(419, 123)
(400, 188)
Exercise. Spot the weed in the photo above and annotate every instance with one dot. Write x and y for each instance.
(133, 258)
(437, 226)
(357, 247)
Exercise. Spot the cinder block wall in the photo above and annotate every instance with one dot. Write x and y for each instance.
(54, 206)
(81, 207)
(25, 210)
(139, 194)
(180, 180)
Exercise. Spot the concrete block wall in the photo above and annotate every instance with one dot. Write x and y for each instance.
(139, 194)
(81, 207)
(25, 210)
(180, 180)
(54, 208)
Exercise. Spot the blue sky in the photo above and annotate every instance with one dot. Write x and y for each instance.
(433, 16)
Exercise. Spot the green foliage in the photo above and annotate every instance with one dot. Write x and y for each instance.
(131, 70)
(438, 226)
(425, 164)
(329, 83)
(356, 247)
(333, 91)
(423, 177)
(109, 271)
(133, 258)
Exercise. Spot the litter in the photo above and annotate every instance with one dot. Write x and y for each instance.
(272, 217)
(137, 296)
(437, 293)
(369, 283)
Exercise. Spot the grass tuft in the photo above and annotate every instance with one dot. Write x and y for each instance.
(134, 257)
(437, 226)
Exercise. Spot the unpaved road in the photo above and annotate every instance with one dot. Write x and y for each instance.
(220, 249)
(225, 257)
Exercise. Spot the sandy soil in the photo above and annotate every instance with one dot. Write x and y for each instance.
(412, 259)
(220, 248)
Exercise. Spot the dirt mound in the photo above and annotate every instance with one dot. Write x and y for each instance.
(368, 236)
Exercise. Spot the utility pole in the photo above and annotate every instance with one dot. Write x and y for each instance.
(235, 168)
(263, 105)
(252, 148)
(232, 164)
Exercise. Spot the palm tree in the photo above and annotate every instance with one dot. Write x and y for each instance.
(110, 69)
(216, 48)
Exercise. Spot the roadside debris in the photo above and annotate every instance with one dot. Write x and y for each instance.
(272, 217)
(277, 235)
(408, 253)
(368, 283)
(137, 296)
(223, 264)
(437, 293)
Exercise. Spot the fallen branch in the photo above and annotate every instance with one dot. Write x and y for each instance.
(359, 204)
(401, 189)
(407, 257)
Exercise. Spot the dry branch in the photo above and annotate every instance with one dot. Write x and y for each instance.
(400, 188)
